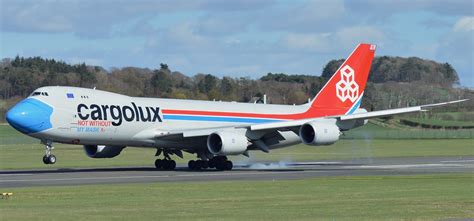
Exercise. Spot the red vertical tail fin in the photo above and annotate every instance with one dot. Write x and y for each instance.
(343, 92)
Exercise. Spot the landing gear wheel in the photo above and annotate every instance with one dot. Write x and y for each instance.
(228, 165)
(169, 164)
(173, 165)
(48, 157)
(220, 165)
(198, 164)
(45, 159)
(204, 164)
(52, 159)
(159, 163)
(212, 163)
(224, 165)
(192, 165)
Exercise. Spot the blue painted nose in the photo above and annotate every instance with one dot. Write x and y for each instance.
(30, 116)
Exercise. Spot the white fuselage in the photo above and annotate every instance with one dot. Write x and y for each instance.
(98, 117)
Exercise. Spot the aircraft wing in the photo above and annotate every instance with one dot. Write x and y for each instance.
(295, 124)
(357, 116)
(384, 113)
(189, 133)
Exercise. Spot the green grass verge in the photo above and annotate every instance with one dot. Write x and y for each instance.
(393, 129)
(9, 135)
(18, 151)
(25, 156)
(456, 116)
(440, 122)
(420, 197)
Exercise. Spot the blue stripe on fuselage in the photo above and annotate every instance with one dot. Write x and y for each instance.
(218, 119)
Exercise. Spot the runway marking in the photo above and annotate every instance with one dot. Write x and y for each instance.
(17, 174)
(163, 176)
(457, 161)
(150, 176)
(401, 166)
(314, 163)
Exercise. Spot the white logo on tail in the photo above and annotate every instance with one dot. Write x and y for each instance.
(347, 87)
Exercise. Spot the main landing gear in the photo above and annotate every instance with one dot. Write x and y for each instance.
(167, 163)
(218, 162)
(48, 157)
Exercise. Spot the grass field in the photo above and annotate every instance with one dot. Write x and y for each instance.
(422, 197)
(378, 129)
(416, 197)
(26, 153)
(439, 122)
(24, 156)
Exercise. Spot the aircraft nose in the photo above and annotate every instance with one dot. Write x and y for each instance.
(30, 116)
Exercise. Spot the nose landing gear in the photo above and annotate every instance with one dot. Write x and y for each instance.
(48, 157)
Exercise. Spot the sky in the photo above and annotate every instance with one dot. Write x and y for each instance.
(237, 38)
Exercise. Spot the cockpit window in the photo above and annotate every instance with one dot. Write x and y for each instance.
(38, 93)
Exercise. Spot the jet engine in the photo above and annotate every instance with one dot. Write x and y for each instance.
(227, 143)
(102, 151)
(318, 133)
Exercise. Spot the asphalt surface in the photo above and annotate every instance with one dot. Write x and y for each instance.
(242, 171)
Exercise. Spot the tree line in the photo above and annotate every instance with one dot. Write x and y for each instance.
(393, 82)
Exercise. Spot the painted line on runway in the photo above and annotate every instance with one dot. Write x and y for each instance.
(17, 174)
(313, 163)
(457, 161)
(162, 176)
(402, 166)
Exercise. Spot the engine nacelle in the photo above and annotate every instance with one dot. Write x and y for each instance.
(227, 143)
(318, 133)
(102, 151)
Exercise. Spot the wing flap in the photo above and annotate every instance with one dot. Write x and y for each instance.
(278, 125)
(189, 133)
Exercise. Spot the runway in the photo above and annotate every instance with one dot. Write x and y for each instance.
(242, 171)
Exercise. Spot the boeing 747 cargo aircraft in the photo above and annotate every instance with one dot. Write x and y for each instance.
(105, 123)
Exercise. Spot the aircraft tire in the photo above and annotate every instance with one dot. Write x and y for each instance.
(166, 164)
(45, 159)
(212, 163)
(159, 163)
(192, 165)
(52, 159)
(172, 165)
(220, 165)
(204, 164)
(169, 164)
(228, 165)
